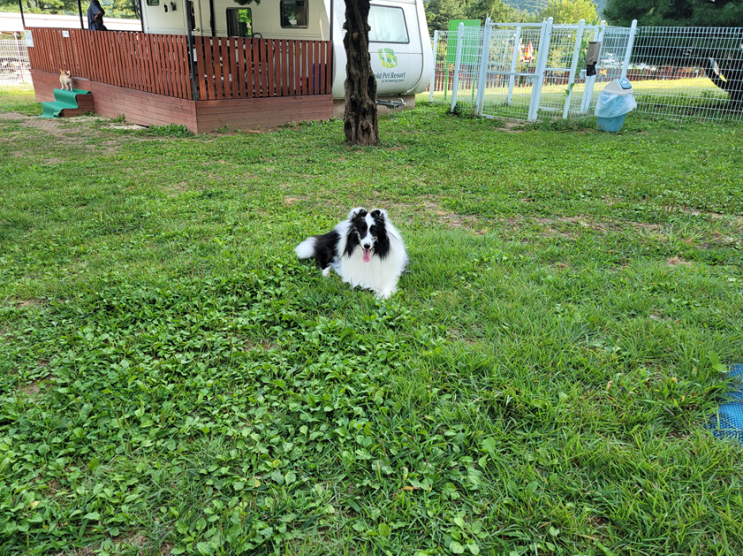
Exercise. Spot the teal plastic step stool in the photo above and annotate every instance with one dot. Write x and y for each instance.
(63, 100)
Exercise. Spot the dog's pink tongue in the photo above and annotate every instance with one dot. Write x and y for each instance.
(367, 255)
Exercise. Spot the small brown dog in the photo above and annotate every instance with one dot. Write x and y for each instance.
(65, 80)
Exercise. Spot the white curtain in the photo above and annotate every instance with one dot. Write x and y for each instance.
(387, 25)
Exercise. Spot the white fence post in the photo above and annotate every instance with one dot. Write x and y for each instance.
(433, 75)
(588, 88)
(630, 45)
(514, 61)
(574, 67)
(544, 47)
(457, 62)
(481, 81)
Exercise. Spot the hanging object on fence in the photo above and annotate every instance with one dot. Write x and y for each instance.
(529, 54)
(592, 58)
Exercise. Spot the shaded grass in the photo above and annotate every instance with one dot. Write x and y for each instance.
(172, 378)
(21, 101)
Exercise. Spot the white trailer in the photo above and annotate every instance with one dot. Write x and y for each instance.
(400, 47)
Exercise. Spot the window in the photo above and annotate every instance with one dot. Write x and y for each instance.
(295, 14)
(239, 22)
(153, 2)
(387, 25)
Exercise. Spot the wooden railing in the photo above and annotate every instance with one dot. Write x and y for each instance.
(226, 68)
(151, 63)
(257, 68)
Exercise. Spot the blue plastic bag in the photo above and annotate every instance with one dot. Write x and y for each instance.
(611, 105)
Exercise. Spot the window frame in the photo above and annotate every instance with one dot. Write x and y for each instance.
(404, 20)
(281, 15)
(233, 8)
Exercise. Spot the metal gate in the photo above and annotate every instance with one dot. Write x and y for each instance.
(14, 66)
(528, 71)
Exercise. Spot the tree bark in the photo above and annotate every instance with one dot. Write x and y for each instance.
(360, 118)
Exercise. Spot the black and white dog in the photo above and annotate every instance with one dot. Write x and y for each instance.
(365, 250)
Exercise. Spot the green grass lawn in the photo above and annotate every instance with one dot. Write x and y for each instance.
(175, 381)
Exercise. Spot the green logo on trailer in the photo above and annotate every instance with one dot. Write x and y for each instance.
(387, 55)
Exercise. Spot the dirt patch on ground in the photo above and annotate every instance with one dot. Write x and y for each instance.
(401, 212)
(87, 551)
(718, 239)
(451, 220)
(14, 116)
(512, 127)
(69, 131)
(177, 189)
(432, 210)
(260, 346)
(24, 303)
(30, 390)
(675, 261)
(589, 224)
(291, 200)
(134, 127)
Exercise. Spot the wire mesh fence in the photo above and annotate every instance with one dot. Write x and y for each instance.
(447, 75)
(441, 81)
(467, 70)
(568, 90)
(511, 71)
(676, 72)
(688, 71)
(15, 70)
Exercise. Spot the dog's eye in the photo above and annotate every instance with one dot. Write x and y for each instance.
(373, 229)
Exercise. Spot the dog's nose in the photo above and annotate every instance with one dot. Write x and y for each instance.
(367, 246)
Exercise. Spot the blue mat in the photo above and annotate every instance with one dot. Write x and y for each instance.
(728, 423)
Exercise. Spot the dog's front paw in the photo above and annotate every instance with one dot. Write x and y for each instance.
(326, 271)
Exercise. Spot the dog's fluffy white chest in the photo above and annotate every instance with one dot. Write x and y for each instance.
(380, 275)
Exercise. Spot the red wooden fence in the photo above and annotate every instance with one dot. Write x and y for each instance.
(255, 68)
(225, 67)
(152, 63)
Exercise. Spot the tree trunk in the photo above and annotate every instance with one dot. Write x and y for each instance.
(360, 119)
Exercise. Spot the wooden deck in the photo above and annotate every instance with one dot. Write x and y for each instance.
(202, 116)
(241, 83)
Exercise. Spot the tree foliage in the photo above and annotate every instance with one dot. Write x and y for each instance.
(676, 13)
(534, 7)
(124, 9)
(440, 12)
(570, 11)
(55, 7)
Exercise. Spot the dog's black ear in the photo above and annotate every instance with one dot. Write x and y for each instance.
(359, 211)
(377, 214)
